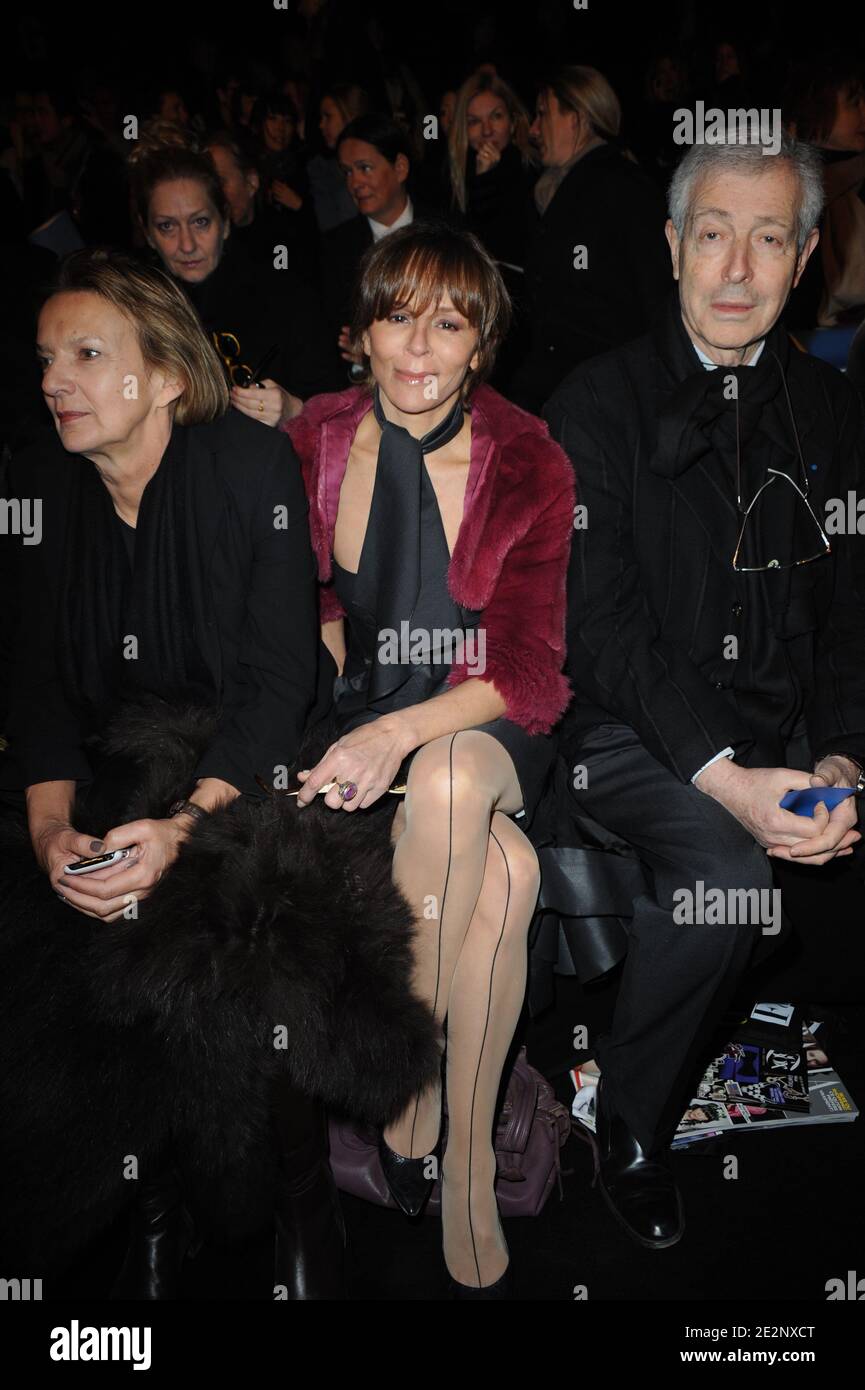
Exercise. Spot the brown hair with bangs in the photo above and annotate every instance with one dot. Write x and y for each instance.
(415, 266)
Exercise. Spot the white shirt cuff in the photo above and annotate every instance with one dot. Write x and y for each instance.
(724, 753)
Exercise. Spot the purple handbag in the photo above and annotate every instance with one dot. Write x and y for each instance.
(531, 1130)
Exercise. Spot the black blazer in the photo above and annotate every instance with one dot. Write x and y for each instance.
(607, 204)
(652, 592)
(254, 604)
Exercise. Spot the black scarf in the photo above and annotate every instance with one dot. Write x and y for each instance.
(699, 415)
(393, 554)
(103, 604)
(701, 420)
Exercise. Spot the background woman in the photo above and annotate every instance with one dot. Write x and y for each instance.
(374, 155)
(492, 173)
(591, 196)
(826, 106)
(492, 166)
(439, 506)
(340, 103)
(247, 308)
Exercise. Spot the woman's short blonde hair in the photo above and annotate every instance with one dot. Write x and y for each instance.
(414, 266)
(169, 331)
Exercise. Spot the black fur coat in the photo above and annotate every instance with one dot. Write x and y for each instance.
(276, 945)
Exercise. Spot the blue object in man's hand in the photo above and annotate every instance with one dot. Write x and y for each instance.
(802, 803)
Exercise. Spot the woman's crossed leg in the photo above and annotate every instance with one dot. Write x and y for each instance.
(472, 879)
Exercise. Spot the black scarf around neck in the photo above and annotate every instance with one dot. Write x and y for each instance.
(699, 415)
(700, 420)
(125, 632)
(393, 555)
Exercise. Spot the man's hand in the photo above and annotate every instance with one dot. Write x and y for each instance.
(835, 771)
(753, 795)
(107, 893)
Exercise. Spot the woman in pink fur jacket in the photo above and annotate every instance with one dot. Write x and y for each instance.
(441, 518)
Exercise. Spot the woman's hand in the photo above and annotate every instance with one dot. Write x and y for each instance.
(369, 756)
(284, 195)
(107, 893)
(488, 155)
(267, 402)
(347, 352)
(57, 844)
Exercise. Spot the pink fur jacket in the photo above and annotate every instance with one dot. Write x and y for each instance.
(511, 554)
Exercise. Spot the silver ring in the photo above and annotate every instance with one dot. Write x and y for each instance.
(347, 790)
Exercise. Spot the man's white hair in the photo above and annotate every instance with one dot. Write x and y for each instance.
(743, 157)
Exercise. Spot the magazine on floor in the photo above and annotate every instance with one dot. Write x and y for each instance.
(774, 1074)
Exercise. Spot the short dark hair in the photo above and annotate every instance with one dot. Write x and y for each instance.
(415, 264)
(379, 131)
(168, 163)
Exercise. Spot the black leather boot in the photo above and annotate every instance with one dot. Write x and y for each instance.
(310, 1231)
(161, 1237)
(639, 1188)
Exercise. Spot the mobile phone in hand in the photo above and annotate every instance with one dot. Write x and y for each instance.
(99, 861)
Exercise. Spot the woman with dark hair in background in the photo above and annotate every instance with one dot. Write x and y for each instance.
(598, 263)
(254, 313)
(283, 177)
(340, 103)
(651, 122)
(374, 156)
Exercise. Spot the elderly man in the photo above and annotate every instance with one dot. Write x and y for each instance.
(716, 633)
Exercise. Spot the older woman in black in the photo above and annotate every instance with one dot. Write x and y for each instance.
(175, 569)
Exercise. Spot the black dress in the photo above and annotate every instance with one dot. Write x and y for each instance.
(434, 611)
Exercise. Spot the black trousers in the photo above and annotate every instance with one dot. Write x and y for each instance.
(678, 977)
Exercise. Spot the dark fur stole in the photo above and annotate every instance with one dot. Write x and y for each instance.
(277, 945)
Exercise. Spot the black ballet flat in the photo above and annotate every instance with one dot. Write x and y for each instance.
(501, 1290)
(409, 1186)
